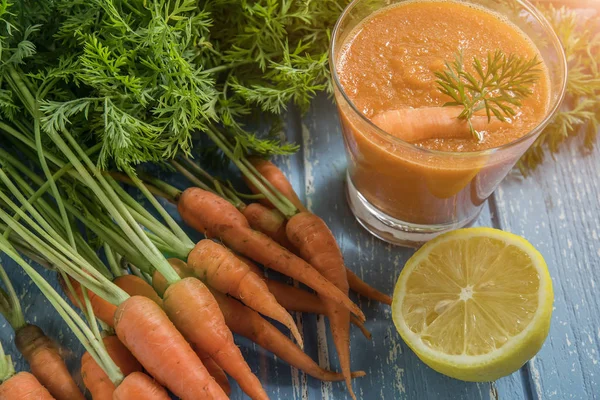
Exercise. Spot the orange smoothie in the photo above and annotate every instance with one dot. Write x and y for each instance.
(388, 62)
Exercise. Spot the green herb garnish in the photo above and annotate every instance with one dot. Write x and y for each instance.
(497, 87)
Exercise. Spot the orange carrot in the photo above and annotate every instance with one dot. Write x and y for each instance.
(276, 177)
(268, 221)
(315, 242)
(46, 363)
(195, 312)
(103, 310)
(140, 386)
(160, 284)
(296, 299)
(222, 270)
(24, 386)
(214, 216)
(136, 286)
(272, 223)
(366, 290)
(248, 323)
(416, 124)
(147, 332)
(214, 370)
(94, 377)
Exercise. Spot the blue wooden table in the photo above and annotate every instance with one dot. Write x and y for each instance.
(557, 209)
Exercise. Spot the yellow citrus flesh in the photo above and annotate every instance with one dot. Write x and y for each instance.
(474, 304)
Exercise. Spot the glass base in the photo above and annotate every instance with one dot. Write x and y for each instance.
(393, 230)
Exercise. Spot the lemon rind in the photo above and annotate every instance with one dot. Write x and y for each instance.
(520, 347)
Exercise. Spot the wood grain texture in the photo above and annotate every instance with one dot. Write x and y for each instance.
(557, 209)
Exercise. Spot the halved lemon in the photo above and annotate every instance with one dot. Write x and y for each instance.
(474, 304)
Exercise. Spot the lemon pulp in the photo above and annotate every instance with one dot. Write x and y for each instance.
(475, 303)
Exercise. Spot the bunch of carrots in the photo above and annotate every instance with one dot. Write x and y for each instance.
(153, 324)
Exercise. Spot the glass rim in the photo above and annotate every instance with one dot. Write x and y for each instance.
(552, 110)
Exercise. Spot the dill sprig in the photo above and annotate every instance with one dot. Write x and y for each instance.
(580, 115)
(496, 87)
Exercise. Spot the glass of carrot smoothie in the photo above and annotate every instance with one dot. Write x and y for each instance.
(437, 101)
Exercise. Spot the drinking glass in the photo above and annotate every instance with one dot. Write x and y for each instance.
(405, 194)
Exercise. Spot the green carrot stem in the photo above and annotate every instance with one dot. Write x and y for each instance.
(165, 248)
(7, 368)
(279, 204)
(194, 169)
(15, 80)
(90, 311)
(14, 314)
(114, 205)
(158, 229)
(71, 318)
(191, 177)
(197, 169)
(239, 195)
(160, 209)
(33, 256)
(50, 178)
(172, 191)
(112, 261)
(115, 239)
(127, 198)
(51, 236)
(25, 248)
(74, 296)
(58, 254)
(117, 176)
(49, 214)
(286, 202)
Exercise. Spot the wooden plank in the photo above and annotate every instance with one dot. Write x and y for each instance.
(558, 210)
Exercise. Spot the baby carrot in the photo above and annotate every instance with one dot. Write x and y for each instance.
(94, 377)
(366, 290)
(248, 323)
(24, 386)
(274, 175)
(159, 283)
(222, 270)
(315, 242)
(214, 370)
(296, 299)
(268, 221)
(195, 312)
(140, 386)
(136, 286)
(214, 216)
(46, 363)
(416, 124)
(147, 332)
(103, 310)
(272, 223)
